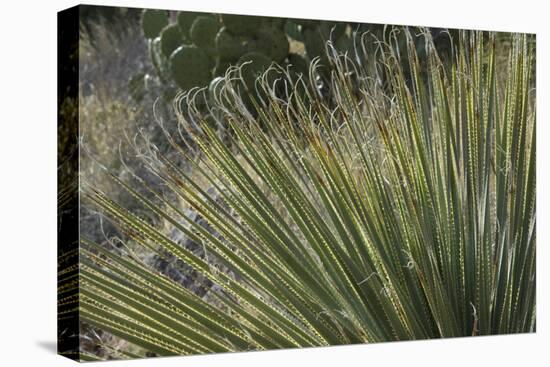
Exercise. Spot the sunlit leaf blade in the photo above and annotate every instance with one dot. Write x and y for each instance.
(403, 207)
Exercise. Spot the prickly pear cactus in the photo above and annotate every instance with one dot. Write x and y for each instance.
(157, 57)
(314, 43)
(299, 65)
(170, 39)
(229, 46)
(185, 20)
(273, 42)
(241, 25)
(220, 68)
(257, 61)
(344, 44)
(203, 31)
(278, 23)
(199, 47)
(254, 64)
(191, 67)
(332, 30)
(153, 21)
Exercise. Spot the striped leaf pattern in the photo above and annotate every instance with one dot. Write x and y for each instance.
(402, 208)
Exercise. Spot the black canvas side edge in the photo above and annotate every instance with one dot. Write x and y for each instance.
(68, 333)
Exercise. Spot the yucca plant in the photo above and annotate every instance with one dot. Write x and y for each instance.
(405, 212)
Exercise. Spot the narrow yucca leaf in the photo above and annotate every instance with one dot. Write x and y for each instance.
(402, 206)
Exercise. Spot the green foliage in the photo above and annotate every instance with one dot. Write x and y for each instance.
(221, 67)
(226, 42)
(314, 43)
(203, 31)
(227, 38)
(299, 63)
(253, 65)
(185, 20)
(190, 66)
(230, 47)
(278, 23)
(407, 212)
(242, 25)
(272, 42)
(157, 57)
(170, 39)
(153, 21)
(332, 30)
(307, 23)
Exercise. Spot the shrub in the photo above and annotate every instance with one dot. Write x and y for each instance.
(227, 38)
(405, 212)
